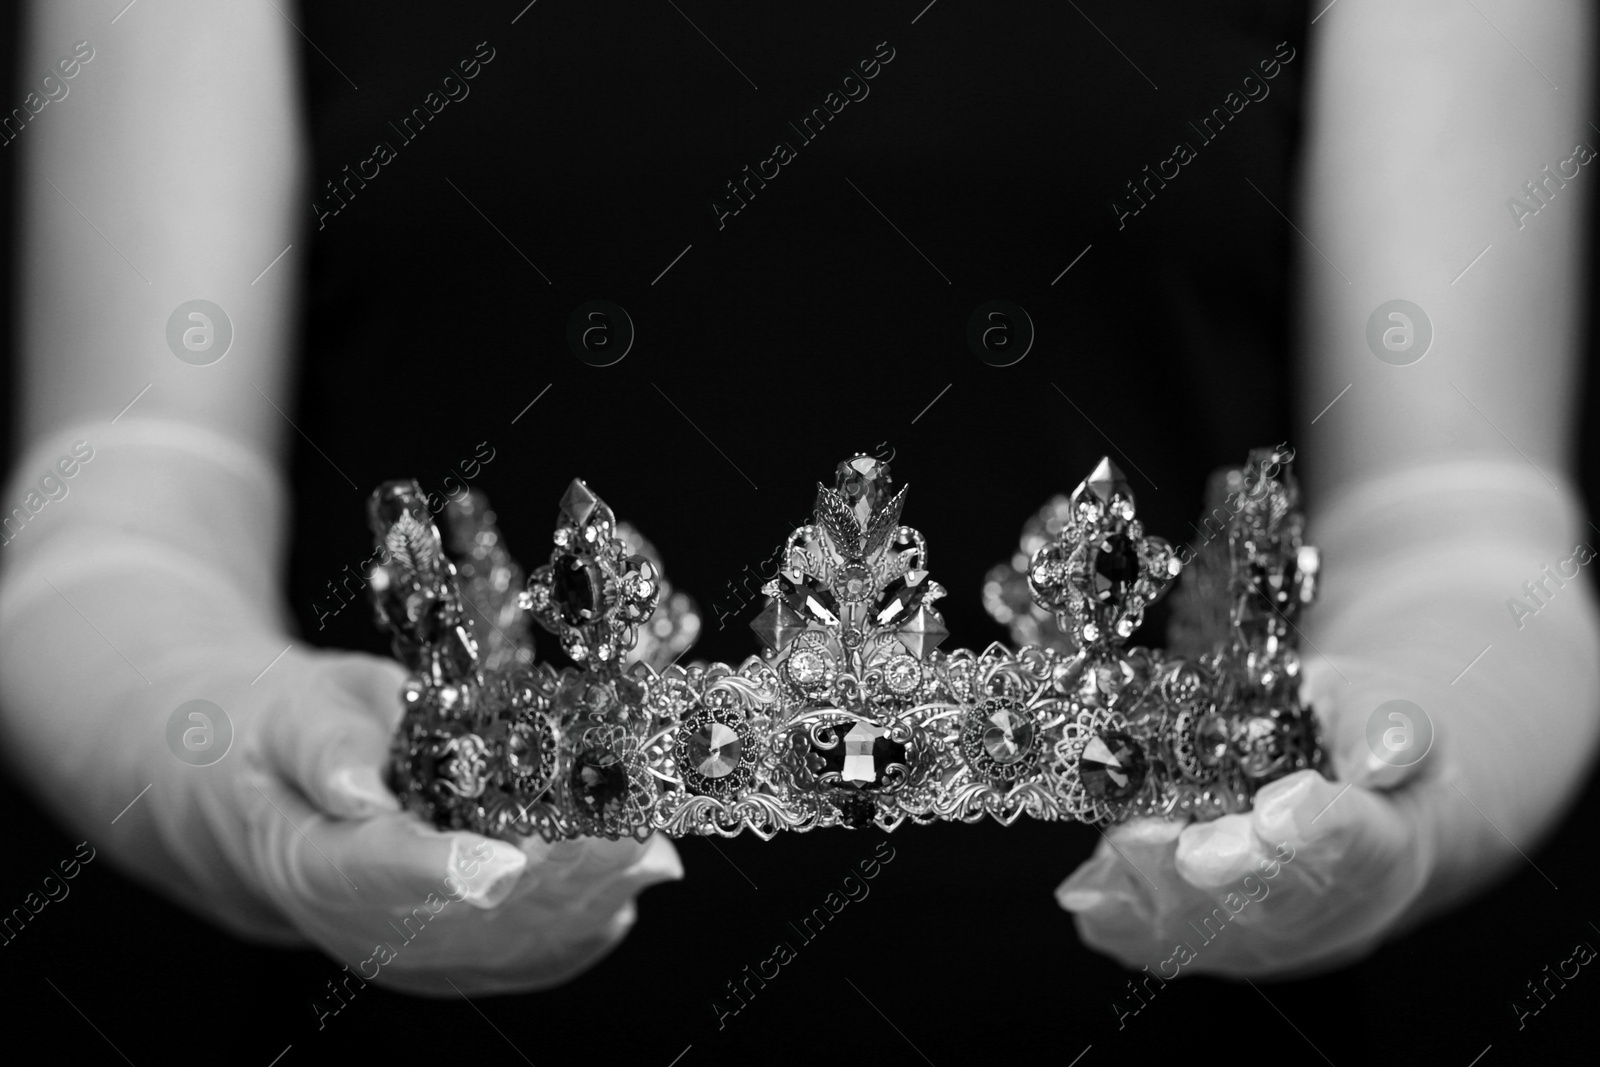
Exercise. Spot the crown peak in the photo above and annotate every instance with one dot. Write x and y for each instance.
(1104, 484)
(578, 502)
(1106, 478)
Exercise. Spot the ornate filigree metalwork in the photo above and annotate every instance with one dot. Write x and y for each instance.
(852, 715)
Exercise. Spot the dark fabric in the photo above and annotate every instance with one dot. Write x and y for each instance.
(585, 157)
(791, 334)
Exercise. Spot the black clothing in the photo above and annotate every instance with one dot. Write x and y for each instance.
(799, 219)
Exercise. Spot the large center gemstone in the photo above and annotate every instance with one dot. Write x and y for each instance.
(573, 591)
(1112, 766)
(1007, 735)
(1116, 568)
(714, 750)
(862, 754)
(599, 781)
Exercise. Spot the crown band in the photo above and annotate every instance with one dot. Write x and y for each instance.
(851, 715)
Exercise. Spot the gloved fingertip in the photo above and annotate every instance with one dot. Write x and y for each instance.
(1292, 808)
(1099, 887)
(1145, 833)
(483, 871)
(1313, 810)
(660, 863)
(624, 919)
(1217, 853)
(1079, 900)
(1375, 773)
(358, 792)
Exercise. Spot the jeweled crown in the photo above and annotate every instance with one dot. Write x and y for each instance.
(852, 714)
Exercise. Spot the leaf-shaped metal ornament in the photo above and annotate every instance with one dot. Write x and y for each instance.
(414, 547)
(885, 521)
(834, 515)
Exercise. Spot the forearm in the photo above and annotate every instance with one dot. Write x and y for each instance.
(1439, 487)
(1424, 122)
(172, 171)
(169, 172)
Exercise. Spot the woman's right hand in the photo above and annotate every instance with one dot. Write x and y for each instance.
(299, 811)
(122, 604)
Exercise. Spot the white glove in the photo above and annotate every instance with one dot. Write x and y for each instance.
(1418, 570)
(150, 584)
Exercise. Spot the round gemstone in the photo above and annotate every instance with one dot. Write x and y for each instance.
(1112, 766)
(902, 675)
(854, 583)
(714, 750)
(1259, 743)
(523, 750)
(599, 781)
(573, 590)
(1116, 568)
(809, 667)
(1007, 735)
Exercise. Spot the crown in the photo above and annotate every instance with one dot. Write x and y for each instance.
(852, 714)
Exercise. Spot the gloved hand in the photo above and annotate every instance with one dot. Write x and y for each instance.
(1417, 571)
(298, 810)
(151, 584)
(1315, 874)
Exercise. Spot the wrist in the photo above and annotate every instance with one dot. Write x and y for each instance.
(1423, 572)
(158, 483)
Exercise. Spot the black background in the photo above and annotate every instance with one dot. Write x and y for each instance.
(803, 331)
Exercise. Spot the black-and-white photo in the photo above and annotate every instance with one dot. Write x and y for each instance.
(681, 533)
